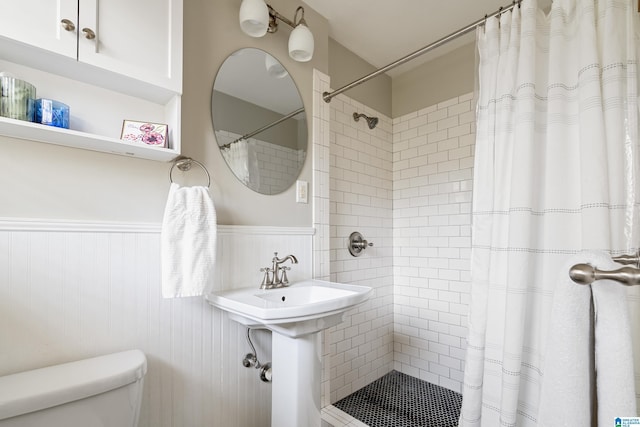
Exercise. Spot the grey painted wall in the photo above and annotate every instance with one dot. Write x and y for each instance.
(211, 35)
(46, 181)
(345, 67)
(442, 78)
(235, 115)
(64, 183)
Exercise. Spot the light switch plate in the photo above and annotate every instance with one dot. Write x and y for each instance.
(302, 192)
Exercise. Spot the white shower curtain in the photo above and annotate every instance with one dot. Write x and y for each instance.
(242, 159)
(556, 172)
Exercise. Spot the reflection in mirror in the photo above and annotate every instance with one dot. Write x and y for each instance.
(259, 121)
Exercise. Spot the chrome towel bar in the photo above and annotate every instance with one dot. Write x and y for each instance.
(628, 259)
(585, 274)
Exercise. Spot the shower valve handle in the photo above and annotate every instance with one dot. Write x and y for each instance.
(357, 244)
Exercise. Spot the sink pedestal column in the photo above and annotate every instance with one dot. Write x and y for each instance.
(297, 371)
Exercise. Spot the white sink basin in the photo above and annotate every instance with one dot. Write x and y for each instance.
(296, 314)
(301, 308)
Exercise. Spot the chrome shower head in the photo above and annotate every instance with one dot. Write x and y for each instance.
(371, 121)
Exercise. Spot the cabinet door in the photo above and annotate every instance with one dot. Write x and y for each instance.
(39, 23)
(140, 39)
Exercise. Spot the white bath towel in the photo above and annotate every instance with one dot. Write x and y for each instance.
(188, 242)
(572, 376)
(569, 383)
(615, 381)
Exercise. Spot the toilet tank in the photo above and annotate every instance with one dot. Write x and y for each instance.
(103, 391)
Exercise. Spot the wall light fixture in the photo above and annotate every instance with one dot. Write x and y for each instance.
(257, 18)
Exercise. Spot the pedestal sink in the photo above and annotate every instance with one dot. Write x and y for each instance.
(295, 314)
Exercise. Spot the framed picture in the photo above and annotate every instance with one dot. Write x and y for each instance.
(144, 133)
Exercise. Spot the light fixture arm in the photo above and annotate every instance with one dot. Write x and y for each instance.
(274, 15)
(258, 18)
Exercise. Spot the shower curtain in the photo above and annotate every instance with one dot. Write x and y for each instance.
(556, 172)
(242, 159)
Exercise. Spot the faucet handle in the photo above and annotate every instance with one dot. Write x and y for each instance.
(266, 280)
(284, 280)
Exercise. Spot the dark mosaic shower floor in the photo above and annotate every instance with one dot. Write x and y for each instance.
(399, 400)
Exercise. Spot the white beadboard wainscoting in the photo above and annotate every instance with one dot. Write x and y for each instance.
(71, 290)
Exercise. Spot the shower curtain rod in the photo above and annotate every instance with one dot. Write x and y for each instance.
(263, 128)
(328, 95)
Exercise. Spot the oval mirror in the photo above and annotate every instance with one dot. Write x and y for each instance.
(259, 121)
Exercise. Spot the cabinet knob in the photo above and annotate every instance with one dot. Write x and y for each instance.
(68, 25)
(88, 33)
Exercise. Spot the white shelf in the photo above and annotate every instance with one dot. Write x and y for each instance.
(75, 139)
(104, 81)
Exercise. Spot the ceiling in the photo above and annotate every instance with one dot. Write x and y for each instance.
(383, 31)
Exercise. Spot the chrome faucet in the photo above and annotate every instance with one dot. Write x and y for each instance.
(276, 276)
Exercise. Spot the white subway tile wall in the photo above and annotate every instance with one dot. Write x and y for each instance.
(432, 181)
(277, 165)
(361, 348)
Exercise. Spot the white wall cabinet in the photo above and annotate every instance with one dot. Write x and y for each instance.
(37, 23)
(126, 48)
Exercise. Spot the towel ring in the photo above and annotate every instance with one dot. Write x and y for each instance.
(184, 164)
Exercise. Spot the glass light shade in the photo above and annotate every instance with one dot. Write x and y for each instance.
(274, 67)
(254, 17)
(301, 44)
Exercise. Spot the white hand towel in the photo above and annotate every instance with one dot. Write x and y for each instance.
(188, 242)
(572, 378)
